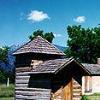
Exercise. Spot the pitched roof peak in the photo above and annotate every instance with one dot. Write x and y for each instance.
(38, 45)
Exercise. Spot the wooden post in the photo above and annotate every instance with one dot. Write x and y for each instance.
(98, 61)
(8, 82)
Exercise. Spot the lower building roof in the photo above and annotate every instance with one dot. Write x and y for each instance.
(51, 66)
(54, 66)
(94, 69)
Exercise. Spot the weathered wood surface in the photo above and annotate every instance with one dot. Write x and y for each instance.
(23, 92)
(32, 94)
(64, 93)
(77, 90)
(31, 89)
(21, 85)
(57, 95)
(22, 81)
(23, 73)
(23, 69)
(24, 77)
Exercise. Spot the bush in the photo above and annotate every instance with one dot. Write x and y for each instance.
(84, 97)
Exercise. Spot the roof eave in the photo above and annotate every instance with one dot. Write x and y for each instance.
(83, 67)
(62, 54)
(71, 60)
(64, 65)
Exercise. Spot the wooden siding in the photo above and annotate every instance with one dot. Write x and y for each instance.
(57, 95)
(32, 94)
(77, 90)
(22, 81)
(68, 91)
(72, 91)
(24, 92)
(64, 93)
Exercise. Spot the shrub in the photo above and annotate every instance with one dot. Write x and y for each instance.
(84, 97)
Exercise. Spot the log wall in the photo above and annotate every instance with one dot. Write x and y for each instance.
(24, 92)
(76, 90)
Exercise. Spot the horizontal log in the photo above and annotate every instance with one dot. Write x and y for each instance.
(32, 97)
(33, 93)
(77, 91)
(21, 85)
(23, 69)
(19, 76)
(32, 89)
(17, 99)
(77, 87)
(77, 94)
(40, 89)
(79, 98)
(22, 81)
(22, 73)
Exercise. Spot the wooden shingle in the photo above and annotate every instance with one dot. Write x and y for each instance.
(51, 66)
(38, 45)
(94, 69)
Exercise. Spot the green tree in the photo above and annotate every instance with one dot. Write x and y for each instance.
(2, 76)
(84, 44)
(4, 58)
(4, 53)
(48, 36)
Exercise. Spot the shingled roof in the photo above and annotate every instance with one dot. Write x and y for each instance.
(39, 45)
(51, 66)
(54, 66)
(94, 69)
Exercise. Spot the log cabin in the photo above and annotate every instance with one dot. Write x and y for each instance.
(43, 73)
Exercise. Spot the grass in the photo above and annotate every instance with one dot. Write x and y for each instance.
(95, 96)
(7, 98)
(6, 93)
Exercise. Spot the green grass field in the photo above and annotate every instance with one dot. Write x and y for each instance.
(92, 97)
(7, 98)
(7, 93)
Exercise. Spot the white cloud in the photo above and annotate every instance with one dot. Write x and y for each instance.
(57, 35)
(80, 19)
(37, 16)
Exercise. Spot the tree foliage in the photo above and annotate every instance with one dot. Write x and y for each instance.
(2, 76)
(4, 73)
(3, 53)
(84, 43)
(48, 36)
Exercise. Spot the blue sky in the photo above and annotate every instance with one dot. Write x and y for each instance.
(19, 18)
